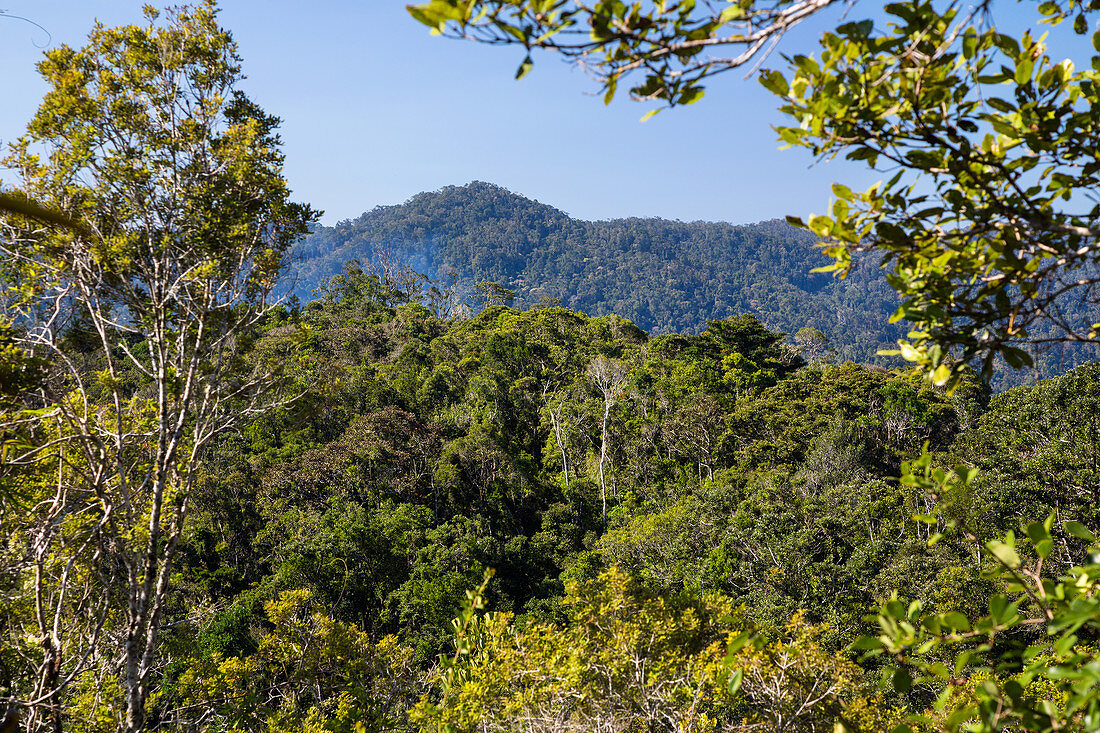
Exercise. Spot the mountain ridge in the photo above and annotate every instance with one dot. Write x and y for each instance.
(664, 275)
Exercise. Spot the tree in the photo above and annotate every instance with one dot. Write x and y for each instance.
(609, 377)
(185, 220)
(793, 684)
(613, 40)
(492, 293)
(813, 343)
(987, 225)
(310, 672)
(564, 417)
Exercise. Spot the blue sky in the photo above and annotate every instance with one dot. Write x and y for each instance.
(375, 110)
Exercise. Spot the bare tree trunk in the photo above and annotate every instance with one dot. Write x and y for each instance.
(603, 453)
(609, 376)
(556, 413)
(555, 419)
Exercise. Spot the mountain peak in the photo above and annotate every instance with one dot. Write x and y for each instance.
(665, 276)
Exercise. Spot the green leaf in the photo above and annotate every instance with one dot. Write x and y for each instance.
(940, 670)
(902, 680)
(1023, 70)
(822, 226)
(524, 68)
(1037, 532)
(1009, 45)
(1079, 531)
(1004, 553)
(691, 95)
(863, 153)
(738, 643)
(733, 12)
(969, 44)
(423, 14)
(1016, 358)
(1033, 651)
(1064, 644)
(609, 94)
(909, 352)
(775, 82)
(866, 643)
(955, 620)
(735, 679)
(932, 624)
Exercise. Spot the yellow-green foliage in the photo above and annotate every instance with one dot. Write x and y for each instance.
(626, 660)
(94, 705)
(308, 673)
(792, 682)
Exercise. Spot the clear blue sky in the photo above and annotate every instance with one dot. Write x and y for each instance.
(375, 110)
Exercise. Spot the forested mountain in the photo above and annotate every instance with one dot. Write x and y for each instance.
(664, 276)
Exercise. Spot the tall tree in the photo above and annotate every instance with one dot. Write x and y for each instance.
(176, 178)
(608, 376)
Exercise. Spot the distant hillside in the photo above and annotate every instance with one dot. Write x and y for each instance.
(665, 276)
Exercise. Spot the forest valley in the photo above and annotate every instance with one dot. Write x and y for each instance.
(379, 512)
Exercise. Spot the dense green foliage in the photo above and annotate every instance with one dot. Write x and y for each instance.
(986, 141)
(425, 452)
(987, 228)
(749, 492)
